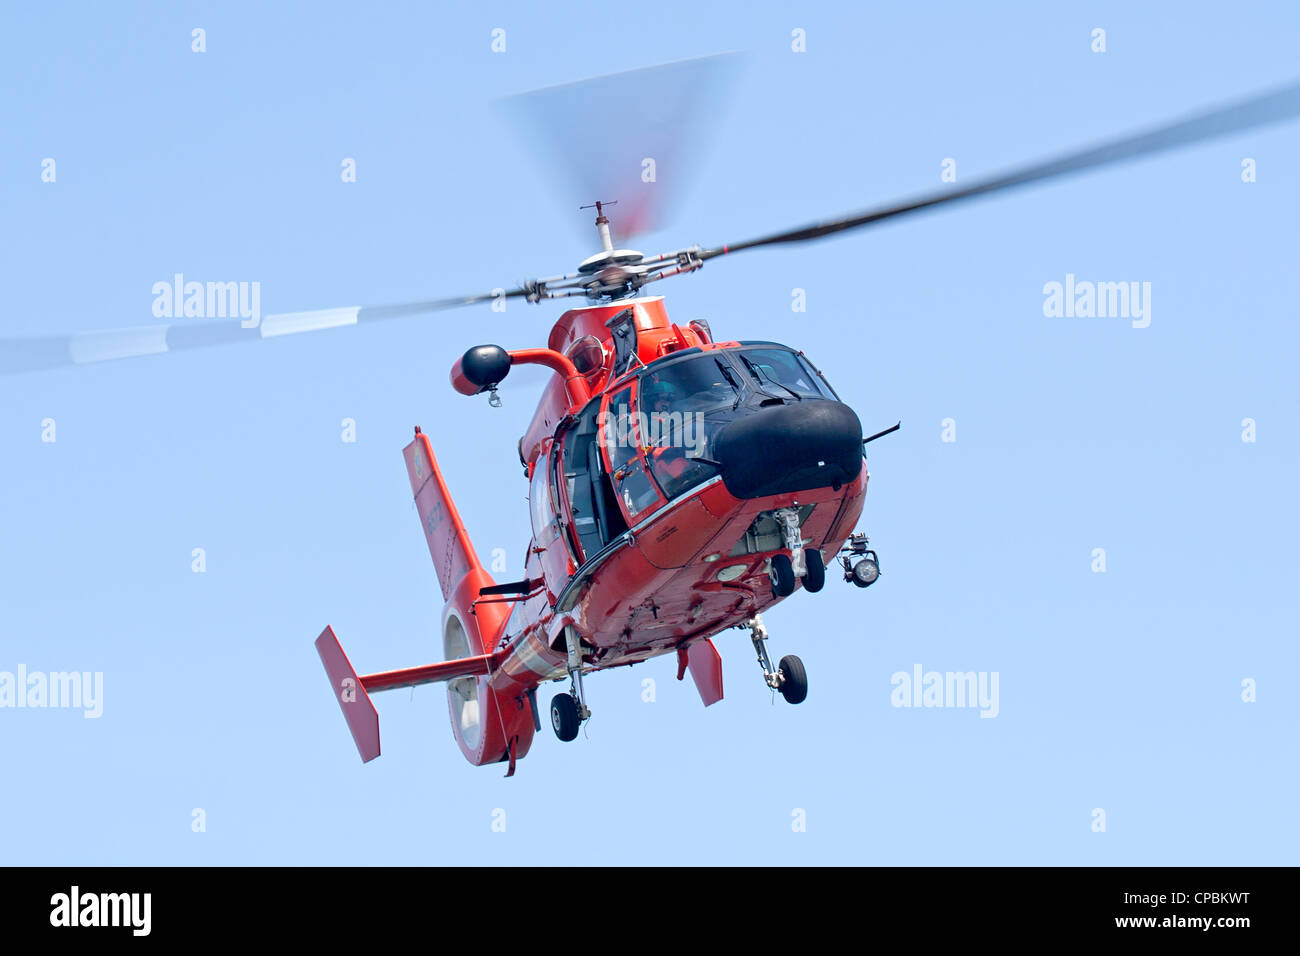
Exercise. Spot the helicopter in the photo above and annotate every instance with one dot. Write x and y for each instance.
(680, 483)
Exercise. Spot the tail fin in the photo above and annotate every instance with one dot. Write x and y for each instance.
(449, 545)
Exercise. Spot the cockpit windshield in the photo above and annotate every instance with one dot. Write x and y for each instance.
(787, 371)
(683, 404)
(695, 385)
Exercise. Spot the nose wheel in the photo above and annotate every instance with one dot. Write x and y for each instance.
(790, 678)
(796, 561)
(783, 578)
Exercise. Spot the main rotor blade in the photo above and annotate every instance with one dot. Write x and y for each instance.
(636, 138)
(1275, 107)
(54, 351)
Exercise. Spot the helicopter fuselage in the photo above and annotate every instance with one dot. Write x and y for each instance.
(678, 486)
(653, 504)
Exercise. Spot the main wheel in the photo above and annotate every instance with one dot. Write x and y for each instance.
(783, 569)
(794, 683)
(564, 716)
(816, 576)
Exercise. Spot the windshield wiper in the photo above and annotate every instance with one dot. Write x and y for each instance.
(740, 389)
(761, 376)
(725, 369)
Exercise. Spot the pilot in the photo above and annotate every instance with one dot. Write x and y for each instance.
(667, 459)
(659, 396)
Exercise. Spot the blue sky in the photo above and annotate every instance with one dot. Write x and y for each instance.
(1119, 690)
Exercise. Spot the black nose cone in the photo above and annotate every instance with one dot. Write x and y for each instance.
(811, 444)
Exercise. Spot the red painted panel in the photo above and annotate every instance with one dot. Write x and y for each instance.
(706, 670)
(671, 541)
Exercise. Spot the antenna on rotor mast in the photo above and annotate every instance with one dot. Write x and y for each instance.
(602, 223)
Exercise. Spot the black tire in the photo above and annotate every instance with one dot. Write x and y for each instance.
(564, 717)
(815, 579)
(794, 684)
(784, 571)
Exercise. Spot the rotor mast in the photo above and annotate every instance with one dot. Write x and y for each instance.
(602, 223)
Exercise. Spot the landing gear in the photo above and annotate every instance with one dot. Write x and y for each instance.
(782, 575)
(788, 519)
(815, 579)
(796, 562)
(790, 678)
(568, 711)
(794, 680)
(564, 716)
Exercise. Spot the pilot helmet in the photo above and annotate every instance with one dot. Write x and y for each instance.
(654, 391)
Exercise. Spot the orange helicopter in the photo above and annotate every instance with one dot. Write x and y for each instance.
(678, 485)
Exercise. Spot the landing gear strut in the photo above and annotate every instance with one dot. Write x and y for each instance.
(568, 711)
(790, 678)
(788, 518)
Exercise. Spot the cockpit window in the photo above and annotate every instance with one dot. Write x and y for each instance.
(784, 372)
(693, 385)
(683, 404)
(622, 435)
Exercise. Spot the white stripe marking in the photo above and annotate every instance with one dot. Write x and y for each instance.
(292, 322)
(117, 343)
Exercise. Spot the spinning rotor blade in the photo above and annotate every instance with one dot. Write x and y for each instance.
(1283, 104)
(80, 348)
(633, 138)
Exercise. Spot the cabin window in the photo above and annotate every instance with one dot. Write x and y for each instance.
(539, 501)
(593, 514)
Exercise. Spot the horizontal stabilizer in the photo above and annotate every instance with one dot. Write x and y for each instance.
(512, 587)
(350, 691)
(429, 673)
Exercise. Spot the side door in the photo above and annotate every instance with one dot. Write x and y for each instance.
(622, 442)
(557, 564)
